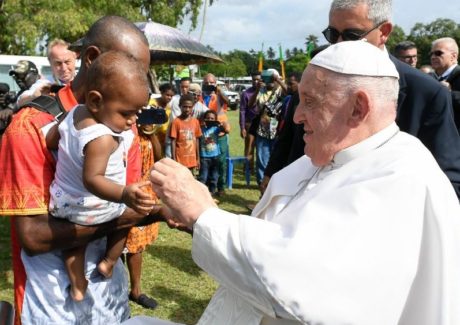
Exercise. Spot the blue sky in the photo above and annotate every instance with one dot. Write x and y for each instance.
(245, 24)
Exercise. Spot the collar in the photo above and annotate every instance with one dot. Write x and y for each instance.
(375, 141)
(67, 97)
(446, 73)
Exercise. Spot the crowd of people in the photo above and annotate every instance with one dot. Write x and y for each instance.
(357, 160)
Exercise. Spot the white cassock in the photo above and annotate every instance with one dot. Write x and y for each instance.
(373, 238)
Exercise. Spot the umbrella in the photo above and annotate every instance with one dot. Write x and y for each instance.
(169, 45)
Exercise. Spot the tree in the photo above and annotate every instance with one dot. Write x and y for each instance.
(424, 34)
(233, 67)
(296, 63)
(23, 27)
(396, 36)
(270, 53)
(312, 39)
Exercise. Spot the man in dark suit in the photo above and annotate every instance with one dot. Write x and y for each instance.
(424, 106)
(444, 59)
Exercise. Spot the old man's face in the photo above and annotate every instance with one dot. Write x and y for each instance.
(323, 112)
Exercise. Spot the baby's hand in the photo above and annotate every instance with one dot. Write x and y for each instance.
(137, 198)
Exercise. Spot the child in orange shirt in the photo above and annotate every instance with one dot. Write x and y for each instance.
(185, 135)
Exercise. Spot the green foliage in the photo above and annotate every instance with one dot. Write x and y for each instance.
(296, 63)
(232, 67)
(312, 39)
(271, 53)
(396, 36)
(424, 34)
(27, 25)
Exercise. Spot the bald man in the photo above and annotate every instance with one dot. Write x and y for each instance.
(43, 297)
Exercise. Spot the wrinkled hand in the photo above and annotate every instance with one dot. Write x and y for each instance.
(138, 199)
(186, 198)
(171, 221)
(43, 89)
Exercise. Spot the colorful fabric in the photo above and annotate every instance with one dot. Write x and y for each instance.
(140, 237)
(208, 142)
(186, 133)
(267, 125)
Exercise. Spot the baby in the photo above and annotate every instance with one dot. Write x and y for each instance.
(93, 141)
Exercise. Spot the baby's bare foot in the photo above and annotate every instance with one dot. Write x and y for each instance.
(105, 267)
(77, 292)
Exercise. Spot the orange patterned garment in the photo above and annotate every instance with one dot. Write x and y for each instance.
(140, 237)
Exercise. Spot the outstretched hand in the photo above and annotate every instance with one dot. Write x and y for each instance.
(138, 198)
(186, 198)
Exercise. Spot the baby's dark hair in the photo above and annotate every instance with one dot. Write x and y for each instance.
(113, 65)
(186, 97)
(210, 112)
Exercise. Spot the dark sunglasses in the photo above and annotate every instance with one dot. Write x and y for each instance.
(436, 53)
(332, 35)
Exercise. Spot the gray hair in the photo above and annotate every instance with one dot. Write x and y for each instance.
(56, 42)
(383, 90)
(379, 10)
(449, 41)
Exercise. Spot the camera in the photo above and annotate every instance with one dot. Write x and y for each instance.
(152, 115)
(209, 88)
(211, 123)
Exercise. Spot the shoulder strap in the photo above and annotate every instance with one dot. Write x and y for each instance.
(48, 104)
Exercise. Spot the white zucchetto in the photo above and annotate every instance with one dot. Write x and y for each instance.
(356, 58)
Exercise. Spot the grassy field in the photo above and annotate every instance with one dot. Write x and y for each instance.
(169, 274)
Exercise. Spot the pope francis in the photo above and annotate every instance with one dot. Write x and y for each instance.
(364, 229)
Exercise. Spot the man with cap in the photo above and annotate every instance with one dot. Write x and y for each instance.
(25, 73)
(424, 106)
(347, 234)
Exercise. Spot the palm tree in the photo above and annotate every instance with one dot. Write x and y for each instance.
(271, 53)
(312, 39)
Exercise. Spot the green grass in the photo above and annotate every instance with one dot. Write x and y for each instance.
(169, 273)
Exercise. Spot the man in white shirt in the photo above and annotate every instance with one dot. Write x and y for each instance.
(63, 65)
(362, 230)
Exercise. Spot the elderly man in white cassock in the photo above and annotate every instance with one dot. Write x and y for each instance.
(364, 229)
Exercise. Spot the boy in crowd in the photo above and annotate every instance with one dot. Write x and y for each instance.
(210, 150)
(185, 133)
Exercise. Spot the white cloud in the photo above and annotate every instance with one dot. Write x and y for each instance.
(245, 24)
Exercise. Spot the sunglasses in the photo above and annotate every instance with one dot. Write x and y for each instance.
(436, 53)
(332, 35)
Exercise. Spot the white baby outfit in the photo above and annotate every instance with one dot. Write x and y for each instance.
(69, 197)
